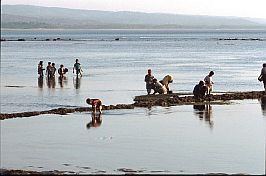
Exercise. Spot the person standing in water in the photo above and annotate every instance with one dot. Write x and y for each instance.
(262, 76)
(49, 70)
(53, 71)
(208, 82)
(40, 69)
(77, 67)
(149, 81)
(62, 71)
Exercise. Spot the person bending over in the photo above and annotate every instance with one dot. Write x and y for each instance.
(166, 81)
(158, 87)
(96, 104)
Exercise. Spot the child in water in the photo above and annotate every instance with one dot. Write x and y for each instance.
(96, 104)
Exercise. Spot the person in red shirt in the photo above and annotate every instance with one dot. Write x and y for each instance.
(96, 104)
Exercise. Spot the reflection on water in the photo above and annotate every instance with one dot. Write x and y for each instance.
(138, 142)
(76, 82)
(40, 82)
(204, 112)
(96, 120)
(51, 82)
(62, 81)
(263, 105)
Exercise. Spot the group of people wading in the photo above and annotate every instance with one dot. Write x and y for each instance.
(51, 70)
(204, 87)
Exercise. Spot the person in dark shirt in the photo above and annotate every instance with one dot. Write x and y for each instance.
(49, 70)
(262, 76)
(200, 90)
(77, 67)
(96, 104)
(40, 69)
(149, 83)
(53, 71)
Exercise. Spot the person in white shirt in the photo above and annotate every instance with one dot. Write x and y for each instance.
(158, 87)
(166, 81)
(208, 82)
(262, 76)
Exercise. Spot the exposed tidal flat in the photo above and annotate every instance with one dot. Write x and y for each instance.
(209, 138)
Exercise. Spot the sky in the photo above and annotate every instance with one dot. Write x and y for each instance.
(238, 8)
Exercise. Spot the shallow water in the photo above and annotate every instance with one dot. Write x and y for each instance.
(217, 139)
(114, 70)
(230, 139)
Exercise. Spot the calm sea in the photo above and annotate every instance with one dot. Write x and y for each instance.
(181, 139)
(114, 70)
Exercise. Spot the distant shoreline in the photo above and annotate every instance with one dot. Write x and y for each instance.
(136, 29)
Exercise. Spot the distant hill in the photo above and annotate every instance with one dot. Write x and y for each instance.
(27, 17)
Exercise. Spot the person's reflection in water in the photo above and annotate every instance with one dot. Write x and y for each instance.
(51, 82)
(199, 110)
(208, 115)
(40, 82)
(76, 82)
(62, 81)
(96, 120)
(204, 112)
(263, 105)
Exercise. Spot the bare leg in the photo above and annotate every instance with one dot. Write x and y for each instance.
(100, 109)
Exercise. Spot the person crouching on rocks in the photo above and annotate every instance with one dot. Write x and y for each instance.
(96, 104)
(262, 76)
(158, 87)
(200, 90)
(166, 81)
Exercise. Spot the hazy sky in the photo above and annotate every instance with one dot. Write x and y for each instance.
(241, 8)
